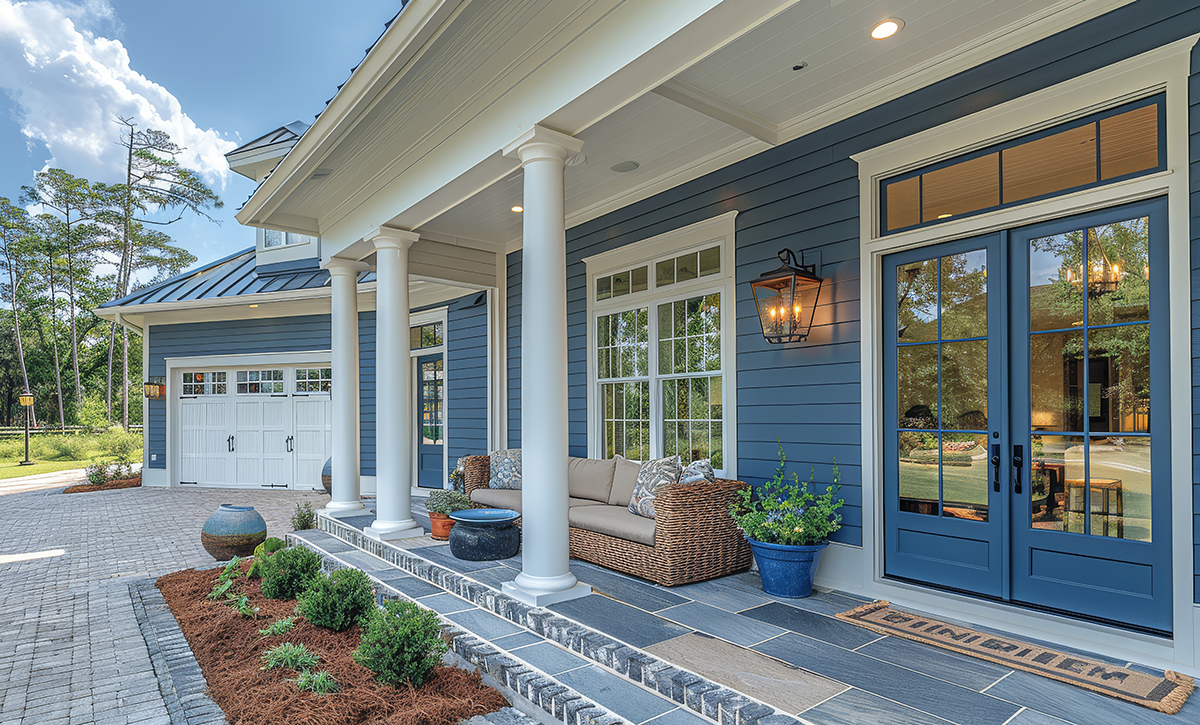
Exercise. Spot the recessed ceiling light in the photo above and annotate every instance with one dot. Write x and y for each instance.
(887, 28)
(625, 167)
(944, 216)
(253, 306)
(518, 209)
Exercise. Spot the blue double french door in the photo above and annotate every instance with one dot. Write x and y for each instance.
(1024, 372)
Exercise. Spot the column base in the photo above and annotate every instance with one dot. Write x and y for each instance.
(393, 530)
(539, 597)
(343, 509)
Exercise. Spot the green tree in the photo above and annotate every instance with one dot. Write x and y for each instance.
(16, 256)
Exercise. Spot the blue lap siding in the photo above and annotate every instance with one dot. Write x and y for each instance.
(803, 195)
(1194, 174)
(466, 377)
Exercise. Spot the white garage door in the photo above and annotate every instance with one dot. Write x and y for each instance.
(253, 428)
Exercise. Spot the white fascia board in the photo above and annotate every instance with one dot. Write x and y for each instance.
(262, 298)
(399, 45)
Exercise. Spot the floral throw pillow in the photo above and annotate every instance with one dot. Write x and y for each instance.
(654, 476)
(698, 471)
(506, 468)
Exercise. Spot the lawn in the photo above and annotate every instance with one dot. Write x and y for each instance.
(11, 469)
(54, 452)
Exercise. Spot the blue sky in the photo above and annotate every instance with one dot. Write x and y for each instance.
(214, 75)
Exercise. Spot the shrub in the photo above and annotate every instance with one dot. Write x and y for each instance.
(93, 413)
(282, 626)
(402, 643)
(286, 572)
(446, 501)
(337, 601)
(262, 551)
(98, 473)
(318, 683)
(790, 514)
(67, 447)
(304, 518)
(292, 656)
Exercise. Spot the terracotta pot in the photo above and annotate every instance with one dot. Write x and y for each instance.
(441, 525)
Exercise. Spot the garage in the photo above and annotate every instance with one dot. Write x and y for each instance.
(253, 426)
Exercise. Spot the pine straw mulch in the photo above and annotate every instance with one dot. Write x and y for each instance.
(107, 486)
(229, 650)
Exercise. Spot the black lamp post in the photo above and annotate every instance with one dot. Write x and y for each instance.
(786, 299)
(26, 399)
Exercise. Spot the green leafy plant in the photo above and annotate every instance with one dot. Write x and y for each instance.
(402, 643)
(318, 683)
(232, 570)
(779, 512)
(292, 656)
(337, 601)
(241, 604)
(262, 551)
(304, 518)
(278, 627)
(286, 572)
(98, 473)
(446, 501)
(220, 589)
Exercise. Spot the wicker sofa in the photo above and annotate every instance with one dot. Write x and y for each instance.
(691, 539)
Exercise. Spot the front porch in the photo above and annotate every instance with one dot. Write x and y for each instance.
(717, 651)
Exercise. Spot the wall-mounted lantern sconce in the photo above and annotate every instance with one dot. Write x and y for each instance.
(786, 299)
(156, 387)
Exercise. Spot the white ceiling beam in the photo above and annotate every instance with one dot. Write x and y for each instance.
(727, 113)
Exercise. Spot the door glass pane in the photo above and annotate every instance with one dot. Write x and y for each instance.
(961, 188)
(916, 301)
(431, 380)
(964, 295)
(965, 469)
(1056, 380)
(1129, 142)
(1061, 161)
(918, 480)
(1120, 373)
(1055, 463)
(903, 203)
(1118, 272)
(1119, 487)
(965, 385)
(1056, 282)
(916, 386)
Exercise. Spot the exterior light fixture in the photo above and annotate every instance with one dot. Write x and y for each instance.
(887, 28)
(253, 306)
(156, 387)
(518, 209)
(26, 400)
(786, 299)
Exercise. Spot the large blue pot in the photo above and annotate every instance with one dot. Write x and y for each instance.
(233, 531)
(786, 571)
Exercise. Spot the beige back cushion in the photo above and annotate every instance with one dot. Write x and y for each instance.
(589, 478)
(624, 479)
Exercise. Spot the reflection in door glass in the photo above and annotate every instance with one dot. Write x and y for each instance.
(917, 385)
(918, 484)
(964, 295)
(965, 476)
(1120, 486)
(1055, 286)
(917, 302)
(431, 402)
(1056, 380)
(1119, 273)
(1056, 461)
(965, 385)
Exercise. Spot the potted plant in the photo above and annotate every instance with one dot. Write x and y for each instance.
(440, 504)
(788, 527)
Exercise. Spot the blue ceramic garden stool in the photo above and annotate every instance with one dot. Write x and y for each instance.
(233, 531)
(485, 534)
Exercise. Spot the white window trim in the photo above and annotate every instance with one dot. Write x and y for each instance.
(1164, 69)
(416, 319)
(718, 230)
(308, 249)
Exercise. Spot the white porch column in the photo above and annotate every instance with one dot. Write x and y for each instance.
(545, 577)
(393, 389)
(344, 318)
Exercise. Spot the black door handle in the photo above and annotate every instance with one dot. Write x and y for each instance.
(229, 443)
(996, 468)
(1018, 460)
(289, 444)
(232, 444)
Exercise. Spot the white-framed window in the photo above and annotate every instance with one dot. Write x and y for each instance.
(661, 325)
(204, 383)
(314, 380)
(259, 382)
(273, 238)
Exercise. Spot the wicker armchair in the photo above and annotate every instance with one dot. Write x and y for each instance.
(694, 537)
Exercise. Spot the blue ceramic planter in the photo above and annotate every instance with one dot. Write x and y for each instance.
(786, 571)
(233, 531)
(485, 534)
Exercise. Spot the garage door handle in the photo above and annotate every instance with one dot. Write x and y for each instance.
(229, 441)
(289, 445)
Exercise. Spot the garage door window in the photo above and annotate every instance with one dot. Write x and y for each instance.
(251, 382)
(204, 383)
(313, 380)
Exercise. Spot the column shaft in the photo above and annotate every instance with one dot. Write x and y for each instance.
(344, 321)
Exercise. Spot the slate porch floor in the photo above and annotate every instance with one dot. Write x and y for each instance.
(790, 654)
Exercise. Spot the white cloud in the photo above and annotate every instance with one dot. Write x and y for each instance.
(70, 85)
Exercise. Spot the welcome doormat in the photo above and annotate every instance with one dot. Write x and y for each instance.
(1165, 694)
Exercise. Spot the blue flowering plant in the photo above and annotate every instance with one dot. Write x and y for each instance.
(789, 512)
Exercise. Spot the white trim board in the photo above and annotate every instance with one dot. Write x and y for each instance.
(442, 315)
(861, 569)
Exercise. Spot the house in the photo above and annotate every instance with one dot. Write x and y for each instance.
(536, 225)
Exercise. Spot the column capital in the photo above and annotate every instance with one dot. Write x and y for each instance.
(339, 266)
(391, 238)
(540, 143)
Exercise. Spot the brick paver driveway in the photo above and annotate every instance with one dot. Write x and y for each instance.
(70, 647)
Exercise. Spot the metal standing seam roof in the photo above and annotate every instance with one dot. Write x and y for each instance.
(233, 276)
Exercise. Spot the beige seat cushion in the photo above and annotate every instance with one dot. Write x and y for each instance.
(614, 521)
(590, 478)
(503, 498)
(624, 479)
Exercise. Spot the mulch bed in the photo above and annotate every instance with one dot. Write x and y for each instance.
(229, 650)
(108, 486)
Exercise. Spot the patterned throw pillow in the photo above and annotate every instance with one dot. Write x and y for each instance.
(698, 471)
(506, 469)
(654, 476)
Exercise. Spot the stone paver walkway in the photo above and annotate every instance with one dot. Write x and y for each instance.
(70, 647)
